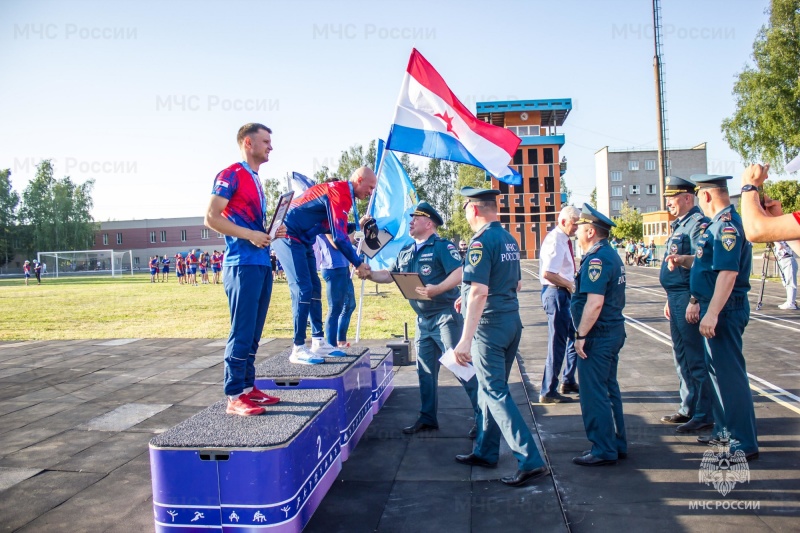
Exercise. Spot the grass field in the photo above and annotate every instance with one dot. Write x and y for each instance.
(102, 307)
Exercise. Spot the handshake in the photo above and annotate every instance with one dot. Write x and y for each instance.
(363, 271)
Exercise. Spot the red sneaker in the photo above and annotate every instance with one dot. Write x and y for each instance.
(258, 397)
(243, 406)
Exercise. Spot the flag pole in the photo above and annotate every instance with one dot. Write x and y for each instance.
(361, 244)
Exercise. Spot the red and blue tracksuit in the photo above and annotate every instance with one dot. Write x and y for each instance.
(323, 208)
(153, 267)
(247, 278)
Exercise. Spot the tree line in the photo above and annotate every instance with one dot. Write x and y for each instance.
(51, 214)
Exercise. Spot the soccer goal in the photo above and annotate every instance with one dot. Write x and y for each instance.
(86, 262)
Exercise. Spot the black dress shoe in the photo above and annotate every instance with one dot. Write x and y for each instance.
(417, 427)
(708, 439)
(568, 388)
(473, 460)
(591, 460)
(473, 432)
(620, 455)
(523, 476)
(694, 425)
(557, 398)
(677, 418)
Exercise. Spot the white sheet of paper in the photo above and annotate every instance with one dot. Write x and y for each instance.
(794, 165)
(448, 359)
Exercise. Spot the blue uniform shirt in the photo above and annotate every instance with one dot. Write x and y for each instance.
(330, 256)
(686, 233)
(601, 272)
(493, 260)
(434, 260)
(722, 246)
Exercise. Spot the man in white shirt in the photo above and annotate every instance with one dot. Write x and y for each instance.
(557, 273)
(788, 268)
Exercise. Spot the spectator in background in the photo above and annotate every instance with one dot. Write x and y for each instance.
(37, 269)
(462, 249)
(153, 265)
(165, 268)
(787, 264)
(180, 268)
(26, 269)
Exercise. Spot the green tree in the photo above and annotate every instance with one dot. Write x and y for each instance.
(766, 124)
(629, 223)
(273, 189)
(593, 198)
(566, 190)
(9, 199)
(436, 186)
(56, 213)
(787, 191)
(457, 227)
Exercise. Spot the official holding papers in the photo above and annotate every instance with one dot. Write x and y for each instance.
(439, 326)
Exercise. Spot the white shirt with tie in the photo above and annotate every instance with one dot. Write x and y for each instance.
(555, 256)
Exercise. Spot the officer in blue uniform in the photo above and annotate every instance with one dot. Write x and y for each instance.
(719, 281)
(439, 325)
(492, 332)
(599, 336)
(694, 413)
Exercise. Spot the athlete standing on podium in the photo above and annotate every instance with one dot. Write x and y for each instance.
(237, 209)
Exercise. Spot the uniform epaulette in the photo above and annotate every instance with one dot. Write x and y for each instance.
(725, 217)
(480, 232)
(698, 216)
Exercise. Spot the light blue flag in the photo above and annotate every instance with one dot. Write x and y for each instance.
(395, 199)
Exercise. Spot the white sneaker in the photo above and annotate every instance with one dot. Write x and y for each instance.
(321, 347)
(788, 305)
(303, 356)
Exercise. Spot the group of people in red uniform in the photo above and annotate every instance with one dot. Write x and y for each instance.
(188, 268)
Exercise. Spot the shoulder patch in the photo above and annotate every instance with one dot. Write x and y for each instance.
(454, 253)
(474, 255)
(595, 269)
(475, 244)
(704, 225)
(725, 217)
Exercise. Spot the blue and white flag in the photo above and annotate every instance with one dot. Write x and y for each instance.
(395, 200)
(300, 183)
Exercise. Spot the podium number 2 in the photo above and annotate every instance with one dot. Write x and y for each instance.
(319, 447)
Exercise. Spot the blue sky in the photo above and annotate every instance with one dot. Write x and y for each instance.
(146, 96)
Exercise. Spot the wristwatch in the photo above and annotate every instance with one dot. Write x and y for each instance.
(692, 300)
(749, 187)
(579, 337)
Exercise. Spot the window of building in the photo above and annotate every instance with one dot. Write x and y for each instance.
(105, 239)
(183, 235)
(219, 235)
(163, 236)
(650, 209)
(616, 191)
(522, 131)
(136, 261)
(533, 156)
(616, 205)
(652, 188)
(633, 165)
(204, 234)
(616, 175)
(634, 189)
(518, 157)
(512, 129)
(549, 184)
(649, 164)
(152, 237)
(548, 156)
(669, 164)
(119, 238)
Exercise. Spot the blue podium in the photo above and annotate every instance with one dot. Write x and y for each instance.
(382, 364)
(220, 472)
(349, 376)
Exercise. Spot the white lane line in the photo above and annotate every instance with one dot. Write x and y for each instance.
(771, 394)
(776, 318)
(773, 323)
(784, 350)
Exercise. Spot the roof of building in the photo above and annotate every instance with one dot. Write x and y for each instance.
(554, 112)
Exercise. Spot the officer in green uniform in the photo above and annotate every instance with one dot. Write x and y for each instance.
(439, 325)
(694, 413)
(599, 336)
(492, 332)
(719, 281)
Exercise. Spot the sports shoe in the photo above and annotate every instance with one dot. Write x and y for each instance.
(243, 406)
(303, 356)
(258, 397)
(788, 305)
(322, 348)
